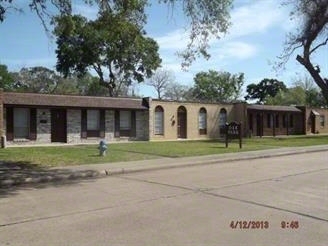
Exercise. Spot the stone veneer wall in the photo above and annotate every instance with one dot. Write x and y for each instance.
(43, 123)
(109, 125)
(73, 125)
(142, 125)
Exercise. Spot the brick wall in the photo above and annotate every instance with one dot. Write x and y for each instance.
(192, 108)
(310, 117)
(273, 129)
(239, 115)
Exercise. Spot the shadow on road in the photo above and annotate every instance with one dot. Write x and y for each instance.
(19, 175)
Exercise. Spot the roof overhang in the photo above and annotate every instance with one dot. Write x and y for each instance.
(274, 108)
(71, 101)
(315, 113)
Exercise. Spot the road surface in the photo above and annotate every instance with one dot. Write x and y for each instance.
(273, 201)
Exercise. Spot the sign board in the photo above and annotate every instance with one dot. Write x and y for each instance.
(233, 131)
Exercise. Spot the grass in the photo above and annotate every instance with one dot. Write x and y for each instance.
(88, 154)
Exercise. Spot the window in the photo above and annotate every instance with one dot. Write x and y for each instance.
(291, 120)
(125, 123)
(284, 121)
(125, 120)
(277, 120)
(159, 121)
(250, 121)
(222, 120)
(93, 122)
(269, 120)
(322, 120)
(222, 117)
(21, 122)
(202, 121)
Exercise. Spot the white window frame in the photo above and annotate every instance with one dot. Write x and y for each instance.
(93, 120)
(21, 122)
(322, 120)
(223, 117)
(159, 122)
(125, 120)
(202, 119)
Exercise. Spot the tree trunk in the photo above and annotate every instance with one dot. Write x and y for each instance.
(321, 82)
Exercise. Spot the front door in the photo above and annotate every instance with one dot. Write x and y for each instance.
(182, 122)
(58, 125)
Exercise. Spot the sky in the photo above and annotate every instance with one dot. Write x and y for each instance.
(253, 42)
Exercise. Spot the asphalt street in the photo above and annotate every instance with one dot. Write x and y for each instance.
(281, 200)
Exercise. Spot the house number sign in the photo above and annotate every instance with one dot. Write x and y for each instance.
(233, 131)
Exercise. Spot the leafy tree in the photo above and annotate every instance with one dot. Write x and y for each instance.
(311, 35)
(290, 96)
(313, 94)
(205, 18)
(36, 79)
(68, 86)
(266, 88)
(40, 7)
(95, 89)
(178, 92)
(111, 44)
(160, 81)
(303, 92)
(217, 86)
(315, 98)
(297, 96)
(6, 79)
(86, 85)
(45, 80)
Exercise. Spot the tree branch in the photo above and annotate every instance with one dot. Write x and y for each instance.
(319, 45)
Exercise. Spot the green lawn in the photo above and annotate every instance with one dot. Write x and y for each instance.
(88, 154)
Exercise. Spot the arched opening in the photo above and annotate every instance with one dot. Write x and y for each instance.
(159, 121)
(182, 122)
(222, 120)
(202, 121)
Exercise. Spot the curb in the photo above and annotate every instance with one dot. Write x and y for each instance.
(48, 179)
(87, 174)
(122, 171)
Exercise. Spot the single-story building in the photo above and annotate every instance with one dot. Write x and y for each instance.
(315, 120)
(29, 118)
(267, 120)
(42, 118)
(169, 120)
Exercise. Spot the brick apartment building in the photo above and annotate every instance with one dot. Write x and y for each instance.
(28, 118)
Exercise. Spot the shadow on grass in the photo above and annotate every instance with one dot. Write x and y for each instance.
(21, 175)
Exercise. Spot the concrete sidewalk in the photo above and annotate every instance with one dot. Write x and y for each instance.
(18, 176)
(166, 163)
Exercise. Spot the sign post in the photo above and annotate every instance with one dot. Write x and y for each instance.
(233, 131)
